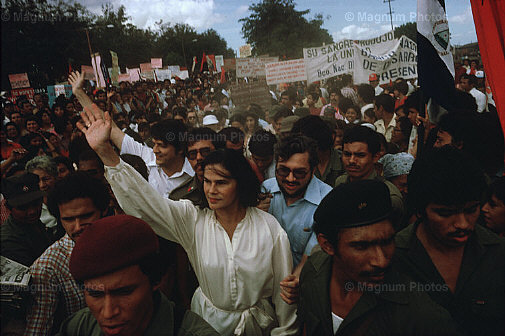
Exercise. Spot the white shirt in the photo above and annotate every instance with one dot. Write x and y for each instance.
(158, 179)
(386, 131)
(237, 277)
(378, 90)
(336, 321)
(480, 98)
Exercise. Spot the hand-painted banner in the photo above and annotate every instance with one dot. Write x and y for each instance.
(19, 81)
(174, 68)
(134, 74)
(124, 78)
(285, 72)
(253, 67)
(145, 67)
(156, 63)
(219, 62)
(245, 50)
(162, 74)
(338, 58)
(54, 91)
(400, 61)
(147, 75)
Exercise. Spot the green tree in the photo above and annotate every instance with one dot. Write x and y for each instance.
(408, 29)
(276, 28)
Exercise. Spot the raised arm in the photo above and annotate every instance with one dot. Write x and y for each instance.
(76, 79)
(173, 220)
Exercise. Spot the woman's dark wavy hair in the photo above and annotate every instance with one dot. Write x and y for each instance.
(248, 185)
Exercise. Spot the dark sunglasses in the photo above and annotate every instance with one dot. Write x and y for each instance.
(299, 174)
(192, 154)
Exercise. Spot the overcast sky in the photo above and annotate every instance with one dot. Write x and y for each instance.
(356, 19)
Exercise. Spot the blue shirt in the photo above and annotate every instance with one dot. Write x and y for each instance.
(298, 218)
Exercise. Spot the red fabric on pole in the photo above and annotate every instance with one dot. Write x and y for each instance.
(204, 59)
(223, 75)
(489, 19)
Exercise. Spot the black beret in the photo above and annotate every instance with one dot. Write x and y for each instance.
(22, 189)
(354, 204)
(110, 244)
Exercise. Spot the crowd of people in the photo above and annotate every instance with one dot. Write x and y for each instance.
(161, 208)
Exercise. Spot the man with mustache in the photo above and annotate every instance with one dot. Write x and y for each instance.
(76, 201)
(349, 288)
(359, 156)
(296, 194)
(446, 249)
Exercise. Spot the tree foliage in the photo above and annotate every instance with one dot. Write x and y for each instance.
(42, 37)
(276, 28)
(408, 29)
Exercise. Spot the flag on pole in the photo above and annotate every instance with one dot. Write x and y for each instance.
(194, 64)
(204, 66)
(96, 62)
(435, 63)
(223, 75)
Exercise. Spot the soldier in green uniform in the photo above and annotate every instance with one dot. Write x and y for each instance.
(117, 261)
(349, 288)
(446, 247)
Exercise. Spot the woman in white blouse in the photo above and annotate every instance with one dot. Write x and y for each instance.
(240, 254)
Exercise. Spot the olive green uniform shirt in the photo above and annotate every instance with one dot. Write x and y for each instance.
(391, 309)
(83, 323)
(478, 303)
(333, 170)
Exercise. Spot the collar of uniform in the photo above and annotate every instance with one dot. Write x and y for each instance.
(186, 168)
(163, 310)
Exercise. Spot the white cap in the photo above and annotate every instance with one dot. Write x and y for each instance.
(172, 81)
(210, 120)
(371, 126)
(479, 74)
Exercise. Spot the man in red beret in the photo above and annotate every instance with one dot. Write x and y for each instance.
(117, 260)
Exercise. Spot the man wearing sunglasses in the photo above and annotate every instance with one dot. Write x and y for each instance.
(296, 193)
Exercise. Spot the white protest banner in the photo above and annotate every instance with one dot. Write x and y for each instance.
(163, 74)
(114, 73)
(338, 58)
(134, 74)
(253, 67)
(182, 74)
(89, 73)
(245, 50)
(174, 68)
(19, 81)
(219, 62)
(400, 61)
(124, 78)
(156, 63)
(285, 72)
(147, 75)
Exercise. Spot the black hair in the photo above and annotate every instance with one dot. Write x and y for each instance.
(363, 134)
(65, 161)
(181, 111)
(238, 117)
(202, 133)
(290, 94)
(472, 79)
(386, 101)
(32, 118)
(78, 185)
(280, 111)
(154, 266)
(248, 185)
(144, 126)
(346, 79)
(497, 188)
(366, 92)
(401, 86)
(405, 127)
(344, 103)
(295, 144)
(255, 108)
(445, 176)
(370, 113)
(302, 111)
(464, 102)
(414, 101)
(171, 132)
(153, 117)
(232, 134)
(89, 155)
(459, 126)
(315, 128)
(261, 143)
(10, 123)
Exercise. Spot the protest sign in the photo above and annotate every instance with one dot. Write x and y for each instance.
(96, 62)
(114, 73)
(230, 64)
(89, 73)
(182, 74)
(253, 92)
(285, 72)
(156, 63)
(338, 58)
(219, 62)
(253, 67)
(19, 81)
(54, 91)
(145, 67)
(134, 74)
(124, 78)
(174, 68)
(400, 61)
(162, 74)
(147, 75)
(245, 50)
(15, 93)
